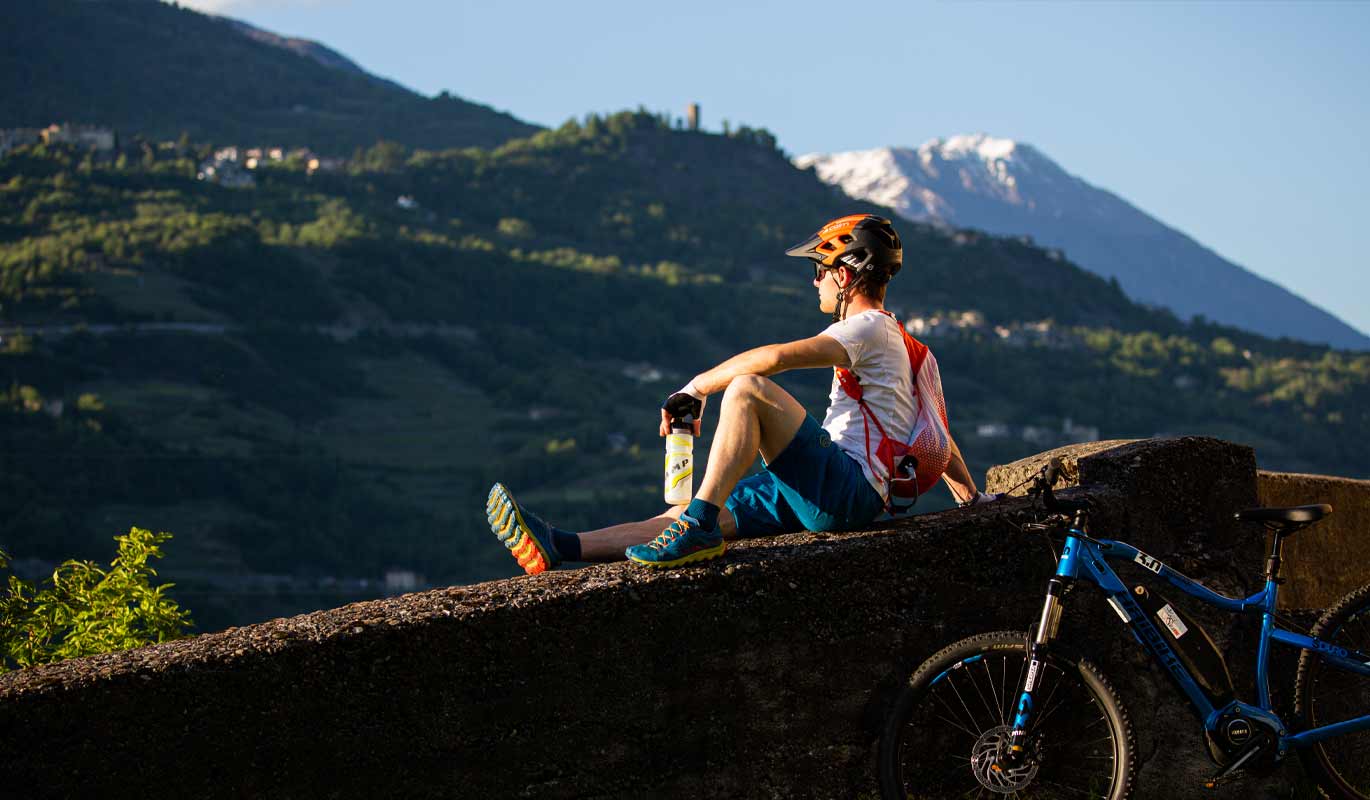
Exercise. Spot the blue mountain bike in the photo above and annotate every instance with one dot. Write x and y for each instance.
(1014, 714)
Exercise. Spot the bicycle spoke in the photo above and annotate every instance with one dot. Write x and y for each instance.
(1003, 682)
(976, 684)
(1045, 710)
(1073, 745)
(985, 662)
(952, 711)
(958, 727)
(1361, 622)
(944, 780)
(1079, 792)
(952, 682)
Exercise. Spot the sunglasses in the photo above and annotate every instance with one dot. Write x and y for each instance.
(818, 270)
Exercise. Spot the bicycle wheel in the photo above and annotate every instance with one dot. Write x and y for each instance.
(1324, 694)
(957, 710)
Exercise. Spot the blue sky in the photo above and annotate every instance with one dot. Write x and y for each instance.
(1241, 124)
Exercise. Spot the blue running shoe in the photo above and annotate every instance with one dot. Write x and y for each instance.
(684, 542)
(526, 536)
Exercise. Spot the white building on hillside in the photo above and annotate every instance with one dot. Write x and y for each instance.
(93, 137)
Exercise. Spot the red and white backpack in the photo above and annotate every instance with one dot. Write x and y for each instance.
(914, 466)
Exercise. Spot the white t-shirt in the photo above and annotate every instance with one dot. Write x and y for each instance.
(875, 346)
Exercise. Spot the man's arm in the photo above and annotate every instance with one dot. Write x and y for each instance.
(958, 477)
(816, 351)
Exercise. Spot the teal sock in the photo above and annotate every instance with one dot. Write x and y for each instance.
(567, 544)
(705, 513)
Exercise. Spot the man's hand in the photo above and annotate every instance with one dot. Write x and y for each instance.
(688, 402)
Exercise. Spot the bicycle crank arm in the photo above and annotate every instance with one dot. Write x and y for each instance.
(1246, 756)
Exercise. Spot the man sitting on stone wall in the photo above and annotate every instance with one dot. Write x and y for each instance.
(886, 419)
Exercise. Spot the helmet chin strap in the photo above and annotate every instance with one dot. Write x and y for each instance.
(840, 313)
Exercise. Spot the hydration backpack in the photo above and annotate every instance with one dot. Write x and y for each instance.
(914, 466)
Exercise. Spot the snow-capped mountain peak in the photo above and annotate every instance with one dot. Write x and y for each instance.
(869, 174)
(982, 145)
(934, 181)
(1008, 187)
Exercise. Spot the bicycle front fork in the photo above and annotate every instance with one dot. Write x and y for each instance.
(1038, 645)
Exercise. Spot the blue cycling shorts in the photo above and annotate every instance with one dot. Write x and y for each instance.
(812, 485)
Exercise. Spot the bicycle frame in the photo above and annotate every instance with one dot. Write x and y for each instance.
(1086, 559)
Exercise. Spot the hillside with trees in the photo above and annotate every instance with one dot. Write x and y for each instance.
(317, 378)
(158, 70)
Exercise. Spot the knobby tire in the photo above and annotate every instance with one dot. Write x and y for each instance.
(1324, 694)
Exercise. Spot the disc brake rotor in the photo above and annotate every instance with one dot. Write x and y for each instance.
(986, 761)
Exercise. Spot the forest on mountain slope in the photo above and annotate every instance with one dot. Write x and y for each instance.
(149, 68)
(368, 368)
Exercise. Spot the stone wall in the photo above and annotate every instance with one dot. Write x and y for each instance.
(1329, 559)
(762, 675)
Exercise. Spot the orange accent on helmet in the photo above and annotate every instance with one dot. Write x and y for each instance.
(856, 241)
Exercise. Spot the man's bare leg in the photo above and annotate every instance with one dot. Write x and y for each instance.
(608, 544)
(756, 416)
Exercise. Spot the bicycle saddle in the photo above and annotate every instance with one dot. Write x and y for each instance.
(1294, 515)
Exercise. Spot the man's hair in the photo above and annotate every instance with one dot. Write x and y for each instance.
(873, 284)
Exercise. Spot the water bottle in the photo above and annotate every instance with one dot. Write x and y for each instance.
(680, 446)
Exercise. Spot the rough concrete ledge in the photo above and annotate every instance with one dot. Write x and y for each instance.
(1331, 558)
(761, 675)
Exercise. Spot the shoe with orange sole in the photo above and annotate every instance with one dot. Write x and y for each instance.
(526, 536)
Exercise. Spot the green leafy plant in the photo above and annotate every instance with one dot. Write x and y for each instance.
(85, 609)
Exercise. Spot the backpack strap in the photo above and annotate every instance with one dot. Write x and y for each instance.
(851, 385)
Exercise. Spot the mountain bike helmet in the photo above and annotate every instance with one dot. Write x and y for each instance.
(864, 243)
(861, 242)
